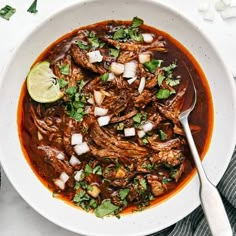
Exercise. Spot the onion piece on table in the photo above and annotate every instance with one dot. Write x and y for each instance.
(76, 139)
(103, 120)
(95, 56)
(99, 111)
(141, 85)
(81, 148)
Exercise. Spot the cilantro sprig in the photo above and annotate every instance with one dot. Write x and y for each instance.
(7, 12)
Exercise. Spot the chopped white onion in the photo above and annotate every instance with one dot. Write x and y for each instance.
(148, 126)
(144, 57)
(81, 148)
(209, 15)
(141, 133)
(60, 156)
(130, 81)
(99, 97)
(78, 174)
(111, 76)
(148, 38)
(130, 69)
(219, 5)
(103, 120)
(141, 85)
(90, 100)
(40, 136)
(64, 177)
(76, 139)
(204, 5)
(129, 132)
(59, 183)
(74, 161)
(229, 13)
(95, 56)
(117, 68)
(99, 111)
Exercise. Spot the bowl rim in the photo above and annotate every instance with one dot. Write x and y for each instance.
(44, 21)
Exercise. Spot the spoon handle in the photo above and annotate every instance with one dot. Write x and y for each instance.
(211, 201)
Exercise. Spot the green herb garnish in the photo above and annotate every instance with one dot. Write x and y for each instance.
(106, 208)
(114, 52)
(137, 118)
(119, 34)
(135, 35)
(7, 12)
(105, 77)
(82, 45)
(97, 170)
(62, 83)
(160, 79)
(123, 193)
(33, 7)
(65, 69)
(136, 22)
(88, 169)
(71, 90)
(120, 126)
(163, 93)
(162, 135)
(152, 65)
(145, 141)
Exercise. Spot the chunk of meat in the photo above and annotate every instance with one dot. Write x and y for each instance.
(124, 117)
(163, 145)
(156, 186)
(81, 59)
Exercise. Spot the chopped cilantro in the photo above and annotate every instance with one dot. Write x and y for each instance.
(81, 84)
(152, 65)
(65, 69)
(149, 167)
(172, 82)
(162, 135)
(143, 183)
(81, 196)
(123, 193)
(82, 45)
(71, 90)
(137, 118)
(106, 208)
(136, 22)
(105, 77)
(135, 35)
(169, 69)
(163, 94)
(166, 180)
(145, 141)
(33, 7)
(88, 169)
(119, 34)
(7, 12)
(94, 42)
(62, 83)
(93, 203)
(120, 126)
(114, 52)
(97, 170)
(160, 79)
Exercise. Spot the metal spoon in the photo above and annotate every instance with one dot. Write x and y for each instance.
(210, 198)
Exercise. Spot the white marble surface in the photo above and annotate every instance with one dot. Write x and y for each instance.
(16, 216)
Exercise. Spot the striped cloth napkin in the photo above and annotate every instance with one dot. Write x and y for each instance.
(195, 224)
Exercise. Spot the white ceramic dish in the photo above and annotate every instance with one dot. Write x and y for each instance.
(84, 13)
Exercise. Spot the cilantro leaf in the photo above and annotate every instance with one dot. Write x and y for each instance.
(137, 118)
(71, 90)
(119, 34)
(160, 79)
(82, 45)
(135, 35)
(120, 126)
(123, 193)
(97, 170)
(143, 183)
(152, 65)
(88, 169)
(81, 196)
(162, 135)
(136, 22)
(145, 141)
(105, 77)
(106, 208)
(172, 82)
(65, 69)
(94, 42)
(163, 94)
(7, 12)
(62, 83)
(114, 52)
(33, 7)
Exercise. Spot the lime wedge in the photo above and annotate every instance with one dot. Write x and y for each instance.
(42, 84)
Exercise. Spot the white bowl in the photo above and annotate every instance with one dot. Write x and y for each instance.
(180, 204)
